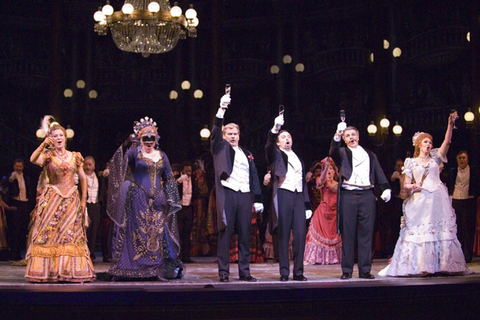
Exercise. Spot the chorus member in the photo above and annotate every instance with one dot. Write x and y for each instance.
(58, 248)
(463, 187)
(186, 185)
(291, 202)
(94, 203)
(359, 171)
(324, 244)
(142, 202)
(236, 179)
(392, 217)
(21, 195)
(200, 245)
(3, 226)
(428, 241)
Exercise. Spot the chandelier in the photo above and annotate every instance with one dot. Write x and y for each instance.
(146, 26)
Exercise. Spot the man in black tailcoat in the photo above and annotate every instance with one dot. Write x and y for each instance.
(359, 171)
(236, 179)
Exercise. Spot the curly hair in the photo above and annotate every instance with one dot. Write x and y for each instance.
(419, 140)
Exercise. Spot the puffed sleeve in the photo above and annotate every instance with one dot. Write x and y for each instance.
(437, 156)
(78, 159)
(408, 167)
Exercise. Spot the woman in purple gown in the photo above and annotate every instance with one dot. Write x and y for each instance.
(142, 201)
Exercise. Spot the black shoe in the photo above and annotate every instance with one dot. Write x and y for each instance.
(223, 278)
(248, 278)
(299, 278)
(346, 275)
(283, 278)
(366, 275)
(188, 261)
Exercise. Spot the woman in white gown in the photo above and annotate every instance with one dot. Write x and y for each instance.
(428, 241)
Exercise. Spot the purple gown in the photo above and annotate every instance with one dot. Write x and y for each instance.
(143, 207)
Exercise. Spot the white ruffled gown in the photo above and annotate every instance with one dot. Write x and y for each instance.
(428, 241)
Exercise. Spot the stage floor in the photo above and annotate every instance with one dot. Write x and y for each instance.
(200, 295)
(204, 272)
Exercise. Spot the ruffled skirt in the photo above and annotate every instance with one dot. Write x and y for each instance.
(58, 246)
(428, 241)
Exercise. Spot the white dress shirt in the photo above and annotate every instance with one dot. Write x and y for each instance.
(92, 188)
(462, 183)
(360, 178)
(239, 179)
(294, 177)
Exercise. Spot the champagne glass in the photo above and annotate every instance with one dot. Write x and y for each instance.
(452, 111)
(228, 88)
(342, 115)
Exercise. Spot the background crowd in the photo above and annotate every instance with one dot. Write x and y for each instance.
(22, 198)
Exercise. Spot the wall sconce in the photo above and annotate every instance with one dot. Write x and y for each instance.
(397, 129)
(185, 85)
(383, 139)
(372, 129)
(198, 94)
(469, 116)
(70, 133)
(205, 133)
(287, 59)
(41, 134)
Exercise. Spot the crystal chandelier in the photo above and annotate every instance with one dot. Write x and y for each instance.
(146, 26)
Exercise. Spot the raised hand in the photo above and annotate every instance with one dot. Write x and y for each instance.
(225, 101)
(341, 127)
(278, 122)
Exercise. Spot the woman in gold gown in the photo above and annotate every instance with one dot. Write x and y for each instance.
(57, 249)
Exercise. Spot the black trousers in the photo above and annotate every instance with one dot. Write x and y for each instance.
(238, 213)
(185, 225)
(93, 210)
(17, 223)
(357, 214)
(291, 218)
(466, 211)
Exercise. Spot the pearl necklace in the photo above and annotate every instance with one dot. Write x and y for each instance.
(62, 156)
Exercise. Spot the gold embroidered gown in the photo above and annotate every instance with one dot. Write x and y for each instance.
(58, 249)
(142, 202)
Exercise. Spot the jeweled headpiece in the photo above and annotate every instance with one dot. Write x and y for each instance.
(145, 122)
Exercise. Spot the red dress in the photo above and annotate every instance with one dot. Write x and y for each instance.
(324, 244)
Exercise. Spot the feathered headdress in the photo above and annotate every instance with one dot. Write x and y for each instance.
(47, 122)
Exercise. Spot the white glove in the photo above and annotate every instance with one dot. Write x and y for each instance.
(278, 123)
(341, 127)
(386, 195)
(225, 101)
(258, 207)
(308, 214)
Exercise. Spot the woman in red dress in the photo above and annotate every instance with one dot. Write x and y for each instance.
(324, 244)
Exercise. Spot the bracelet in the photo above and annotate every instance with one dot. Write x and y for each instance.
(84, 198)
